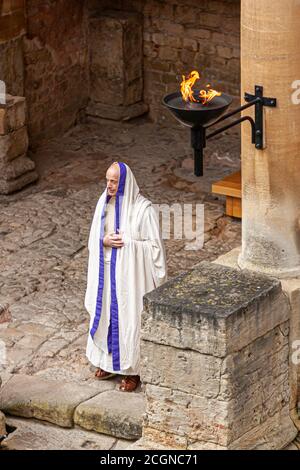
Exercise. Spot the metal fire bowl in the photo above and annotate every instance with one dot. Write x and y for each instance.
(196, 115)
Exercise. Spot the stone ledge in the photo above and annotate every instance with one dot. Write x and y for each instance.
(34, 435)
(115, 413)
(33, 397)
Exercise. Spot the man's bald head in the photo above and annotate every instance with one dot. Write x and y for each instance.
(112, 179)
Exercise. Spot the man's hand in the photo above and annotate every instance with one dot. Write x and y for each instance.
(113, 240)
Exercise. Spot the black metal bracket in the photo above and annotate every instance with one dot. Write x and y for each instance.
(199, 135)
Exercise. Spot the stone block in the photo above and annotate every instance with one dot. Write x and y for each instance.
(17, 167)
(116, 68)
(213, 310)
(196, 373)
(14, 144)
(114, 413)
(12, 25)
(33, 397)
(218, 341)
(292, 289)
(10, 186)
(13, 114)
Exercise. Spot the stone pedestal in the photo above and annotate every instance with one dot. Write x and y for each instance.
(16, 169)
(291, 287)
(116, 65)
(215, 361)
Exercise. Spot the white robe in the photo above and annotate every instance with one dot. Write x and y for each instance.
(140, 266)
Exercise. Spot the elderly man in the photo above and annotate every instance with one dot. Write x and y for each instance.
(126, 260)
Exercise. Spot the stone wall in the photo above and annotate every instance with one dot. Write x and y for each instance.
(12, 29)
(181, 35)
(56, 56)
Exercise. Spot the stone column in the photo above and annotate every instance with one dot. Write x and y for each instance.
(16, 169)
(215, 358)
(270, 56)
(116, 65)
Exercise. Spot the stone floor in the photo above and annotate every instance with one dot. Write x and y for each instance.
(44, 230)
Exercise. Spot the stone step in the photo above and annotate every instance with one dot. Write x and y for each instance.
(29, 434)
(99, 408)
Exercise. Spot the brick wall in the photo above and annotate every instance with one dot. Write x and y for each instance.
(182, 35)
(179, 35)
(55, 54)
(12, 28)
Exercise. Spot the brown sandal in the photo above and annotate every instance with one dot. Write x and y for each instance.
(102, 374)
(129, 383)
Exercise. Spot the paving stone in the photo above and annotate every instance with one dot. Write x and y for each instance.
(33, 397)
(116, 413)
(34, 435)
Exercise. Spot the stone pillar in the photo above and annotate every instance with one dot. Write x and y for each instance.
(215, 358)
(270, 56)
(16, 169)
(116, 66)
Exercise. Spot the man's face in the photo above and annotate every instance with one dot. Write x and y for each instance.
(112, 180)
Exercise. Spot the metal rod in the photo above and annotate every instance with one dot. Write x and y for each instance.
(235, 111)
(198, 143)
(198, 162)
(234, 123)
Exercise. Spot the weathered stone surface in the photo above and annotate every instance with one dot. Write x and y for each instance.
(273, 434)
(12, 116)
(17, 167)
(114, 413)
(174, 418)
(5, 314)
(213, 310)
(145, 444)
(12, 66)
(227, 331)
(32, 397)
(34, 435)
(10, 186)
(13, 144)
(12, 20)
(56, 67)
(292, 289)
(2, 425)
(196, 373)
(229, 259)
(253, 387)
(117, 113)
(116, 69)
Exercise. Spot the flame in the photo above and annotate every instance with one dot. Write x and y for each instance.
(188, 93)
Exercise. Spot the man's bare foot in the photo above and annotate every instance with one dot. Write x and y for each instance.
(102, 374)
(129, 383)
